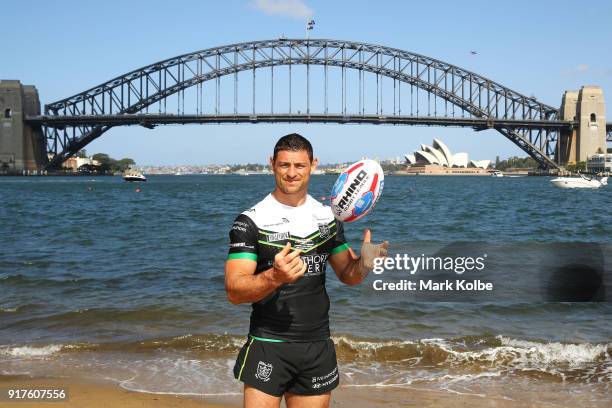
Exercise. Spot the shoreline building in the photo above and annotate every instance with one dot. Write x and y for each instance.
(599, 163)
(437, 159)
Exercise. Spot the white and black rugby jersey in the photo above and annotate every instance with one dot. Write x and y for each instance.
(297, 311)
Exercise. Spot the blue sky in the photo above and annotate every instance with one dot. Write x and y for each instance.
(537, 48)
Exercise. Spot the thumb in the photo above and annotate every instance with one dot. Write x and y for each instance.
(367, 235)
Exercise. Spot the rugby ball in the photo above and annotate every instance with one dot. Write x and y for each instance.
(357, 190)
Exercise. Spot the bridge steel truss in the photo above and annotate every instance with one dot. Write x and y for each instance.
(468, 98)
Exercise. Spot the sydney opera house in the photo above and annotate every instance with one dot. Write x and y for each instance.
(438, 159)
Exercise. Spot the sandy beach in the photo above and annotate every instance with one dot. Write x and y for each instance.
(89, 394)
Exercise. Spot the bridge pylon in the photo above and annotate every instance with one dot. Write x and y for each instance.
(587, 108)
(23, 148)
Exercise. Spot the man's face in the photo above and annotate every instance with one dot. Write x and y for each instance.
(292, 170)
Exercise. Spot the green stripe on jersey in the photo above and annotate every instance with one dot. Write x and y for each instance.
(243, 255)
(340, 248)
(268, 340)
(305, 251)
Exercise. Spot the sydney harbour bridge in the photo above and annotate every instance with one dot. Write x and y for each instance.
(308, 81)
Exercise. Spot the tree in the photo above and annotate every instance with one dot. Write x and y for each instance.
(520, 162)
(123, 164)
(580, 166)
(104, 160)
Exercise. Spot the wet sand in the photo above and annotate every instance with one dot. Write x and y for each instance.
(89, 394)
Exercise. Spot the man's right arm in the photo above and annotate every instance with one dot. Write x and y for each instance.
(242, 285)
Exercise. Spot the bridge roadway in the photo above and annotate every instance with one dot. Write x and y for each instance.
(151, 120)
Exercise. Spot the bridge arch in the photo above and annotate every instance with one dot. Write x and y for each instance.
(474, 95)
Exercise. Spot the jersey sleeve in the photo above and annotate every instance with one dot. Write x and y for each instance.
(340, 243)
(243, 239)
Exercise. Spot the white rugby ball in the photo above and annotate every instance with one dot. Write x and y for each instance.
(357, 190)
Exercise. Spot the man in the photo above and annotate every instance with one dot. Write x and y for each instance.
(277, 259)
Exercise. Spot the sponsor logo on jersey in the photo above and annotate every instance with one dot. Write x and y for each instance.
(324, 230)
(241, 245)
(240, 226)
(263, 371)
(279, 236)
(346, 200)
(274, 224)
(303, 244)
(315, 264)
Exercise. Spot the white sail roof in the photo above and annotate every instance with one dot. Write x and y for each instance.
(437, 143)
(482, 164)
(410, 159)
(426, 156)
(439, 155)
(460, 159)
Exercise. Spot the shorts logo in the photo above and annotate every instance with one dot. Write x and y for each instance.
(324, 230)
(263, 371)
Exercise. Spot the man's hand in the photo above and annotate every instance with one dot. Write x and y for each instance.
(288, 267)
(369, 252)
(352, 269)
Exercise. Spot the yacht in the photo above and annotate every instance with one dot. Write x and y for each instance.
(497, 173)
(579, 182)
(133, 175)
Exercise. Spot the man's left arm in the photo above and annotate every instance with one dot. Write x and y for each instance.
(352, 269)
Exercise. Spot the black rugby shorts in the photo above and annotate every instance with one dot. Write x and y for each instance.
(303, 368)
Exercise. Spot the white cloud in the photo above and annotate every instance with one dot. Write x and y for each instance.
(578, 69)
(582, 68)
(287, 8)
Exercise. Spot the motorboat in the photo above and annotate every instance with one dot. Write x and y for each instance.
(133, 175)
(579, 182)
(497, 173)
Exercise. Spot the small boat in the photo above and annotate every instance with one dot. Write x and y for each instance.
(497, 173)
(133, 175)
(579, 182)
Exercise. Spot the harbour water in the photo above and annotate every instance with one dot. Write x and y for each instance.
(101, 281)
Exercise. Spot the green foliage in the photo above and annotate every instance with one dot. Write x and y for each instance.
(517, 162)
(110, 165)
(580, 166)
(123, 164)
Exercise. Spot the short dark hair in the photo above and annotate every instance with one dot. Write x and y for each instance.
(293, 142)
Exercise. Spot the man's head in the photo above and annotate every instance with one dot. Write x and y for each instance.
(292, 164)
(293, 142)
